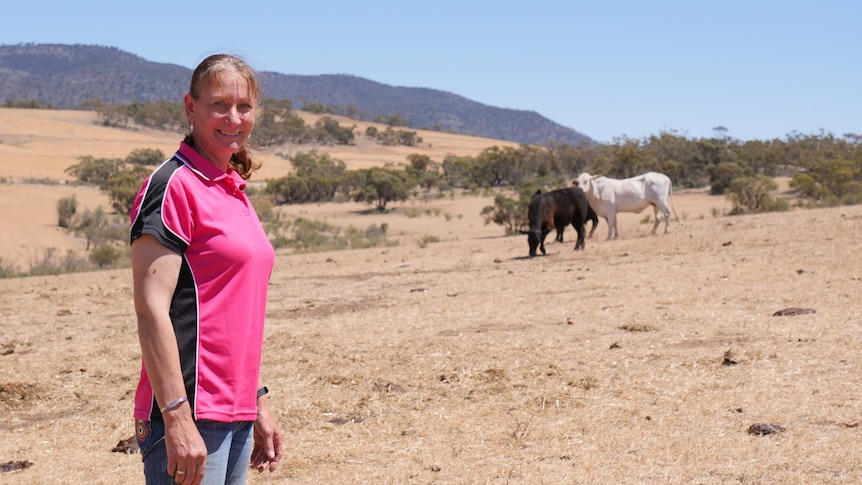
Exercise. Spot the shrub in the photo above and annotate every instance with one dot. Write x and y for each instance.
(104, 255)
(66, 209)
(751, 195)
(428, 239)
(53, 264)
(507, 212)
(7, 269)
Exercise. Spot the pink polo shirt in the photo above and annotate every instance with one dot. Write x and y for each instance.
(219, 306)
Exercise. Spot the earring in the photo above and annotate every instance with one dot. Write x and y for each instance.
(191, 127)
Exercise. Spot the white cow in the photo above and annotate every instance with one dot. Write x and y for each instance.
(609, 196)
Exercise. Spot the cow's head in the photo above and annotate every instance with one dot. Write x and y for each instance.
(533, 239)
(534, 235)
(584, 181)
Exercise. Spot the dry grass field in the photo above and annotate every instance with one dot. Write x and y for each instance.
(641, 360)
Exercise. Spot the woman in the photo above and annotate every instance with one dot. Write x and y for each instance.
(201, 263)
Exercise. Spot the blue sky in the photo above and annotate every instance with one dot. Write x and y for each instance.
(609, 69)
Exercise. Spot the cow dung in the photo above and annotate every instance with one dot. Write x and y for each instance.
(763, 429)
(793, 311)
(11, 466)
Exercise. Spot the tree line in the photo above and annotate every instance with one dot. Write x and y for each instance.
(277, 123)
(824, 170)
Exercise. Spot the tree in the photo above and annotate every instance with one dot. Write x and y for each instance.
(95, 171)
(328, 130)
(382, 186)
(316, 178)
(456, 170)
(145, 156)
(123, 186)
(313, 107)
(723, 175)
(352, 111)
(507, 212)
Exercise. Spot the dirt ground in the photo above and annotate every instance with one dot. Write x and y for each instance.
(648, 359)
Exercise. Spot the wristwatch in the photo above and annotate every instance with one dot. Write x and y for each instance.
(262, 392)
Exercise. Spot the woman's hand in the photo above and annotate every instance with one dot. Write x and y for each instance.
(187, 452)
(267, 439)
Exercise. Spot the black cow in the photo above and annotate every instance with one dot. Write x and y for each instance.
(591, 216)
(554, 209)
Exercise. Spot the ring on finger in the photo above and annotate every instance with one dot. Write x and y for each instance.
(183, 472)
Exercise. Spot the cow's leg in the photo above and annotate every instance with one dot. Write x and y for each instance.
(661, 208)
(581, 235)
(612, 225)
(666, 212)
(655, 211)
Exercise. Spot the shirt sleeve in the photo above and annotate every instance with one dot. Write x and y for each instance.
(162, 209)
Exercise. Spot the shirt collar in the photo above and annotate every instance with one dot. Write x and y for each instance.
(207, 170)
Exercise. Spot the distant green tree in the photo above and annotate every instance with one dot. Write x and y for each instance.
(276, 123)
(26, 104)
(396, 120)
(408, 138)
(145, 156)
(330, 131)
(830, 182)
(723, 174)
(456, 170)
(123, 186)
(95, 171)
(113, 115)
(382, 186)
(352, 112)
(313, 107)
(316, 178)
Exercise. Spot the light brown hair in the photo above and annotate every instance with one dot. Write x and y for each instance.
(207, 73)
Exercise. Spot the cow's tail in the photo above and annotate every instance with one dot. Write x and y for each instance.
(670, 196)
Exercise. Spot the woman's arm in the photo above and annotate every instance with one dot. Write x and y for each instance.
(155, 270)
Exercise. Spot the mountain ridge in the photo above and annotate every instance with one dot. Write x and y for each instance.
(67, 75)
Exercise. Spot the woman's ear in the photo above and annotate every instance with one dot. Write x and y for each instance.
(189, 104)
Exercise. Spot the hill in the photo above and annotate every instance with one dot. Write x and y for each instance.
(38, 145)
(65, 76)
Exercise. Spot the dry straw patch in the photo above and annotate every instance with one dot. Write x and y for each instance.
(464, 361)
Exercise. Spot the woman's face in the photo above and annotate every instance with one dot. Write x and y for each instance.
(223, 117)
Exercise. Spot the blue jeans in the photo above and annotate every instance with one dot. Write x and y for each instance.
(228, 451)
